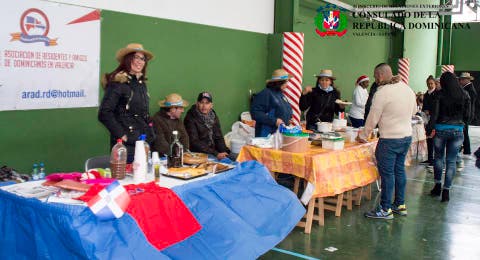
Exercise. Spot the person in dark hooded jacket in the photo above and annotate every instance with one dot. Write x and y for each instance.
(203, 128)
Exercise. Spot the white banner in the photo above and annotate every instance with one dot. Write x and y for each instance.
(49, 56)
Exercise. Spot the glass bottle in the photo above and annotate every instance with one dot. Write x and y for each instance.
(175, 158)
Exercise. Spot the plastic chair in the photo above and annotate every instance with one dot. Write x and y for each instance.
(102, 161)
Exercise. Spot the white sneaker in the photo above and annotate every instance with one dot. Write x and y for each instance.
(467, 157)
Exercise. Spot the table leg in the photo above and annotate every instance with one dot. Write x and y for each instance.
(338, 209)
(309, 220)
(368, 191)
(358, 196)
(321, 212)
(349, 199)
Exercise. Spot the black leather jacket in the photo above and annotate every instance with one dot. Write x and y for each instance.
(442, 115)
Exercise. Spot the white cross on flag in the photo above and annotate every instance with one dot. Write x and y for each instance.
(110, 202)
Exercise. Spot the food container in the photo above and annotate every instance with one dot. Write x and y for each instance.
(339, 124)
(333, 143)
(324, 127)
(295, 143)
(351, 134)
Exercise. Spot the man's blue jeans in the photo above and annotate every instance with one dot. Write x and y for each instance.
(390, 155)
(449, 140)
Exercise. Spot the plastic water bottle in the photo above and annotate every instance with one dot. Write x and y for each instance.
(139, 162)
(35, 172)
(118, 160)
(41, 172)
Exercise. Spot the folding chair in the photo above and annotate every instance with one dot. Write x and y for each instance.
(102, 161)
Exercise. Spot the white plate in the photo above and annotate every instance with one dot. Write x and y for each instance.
(340, 102)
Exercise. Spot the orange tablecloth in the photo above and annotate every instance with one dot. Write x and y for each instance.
(331, 172)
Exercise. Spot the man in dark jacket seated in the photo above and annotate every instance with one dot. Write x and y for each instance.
(168, 120)
(203, 128)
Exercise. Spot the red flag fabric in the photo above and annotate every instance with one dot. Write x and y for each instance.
(158, 211)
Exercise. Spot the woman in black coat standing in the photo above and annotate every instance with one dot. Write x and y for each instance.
(321, 100)
(125, 106)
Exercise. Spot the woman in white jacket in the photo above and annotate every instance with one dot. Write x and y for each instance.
(360, 96)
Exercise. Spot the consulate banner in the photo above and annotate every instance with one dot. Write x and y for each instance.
(49, 56)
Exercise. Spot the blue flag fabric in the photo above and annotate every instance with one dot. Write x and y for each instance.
(243, 212)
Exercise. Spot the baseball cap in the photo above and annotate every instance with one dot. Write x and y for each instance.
(203, 95)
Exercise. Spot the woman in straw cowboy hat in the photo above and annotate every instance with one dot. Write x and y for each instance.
(168, 120)
(320, 100)
(270, 108)
(124, 108)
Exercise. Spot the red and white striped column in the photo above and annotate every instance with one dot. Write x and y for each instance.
(404, 69)
(450, 68)
(292, 62)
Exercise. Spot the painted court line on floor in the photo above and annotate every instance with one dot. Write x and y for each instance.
(455, 186)
(294, 254)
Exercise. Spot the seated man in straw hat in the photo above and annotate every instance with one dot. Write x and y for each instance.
(167, 120)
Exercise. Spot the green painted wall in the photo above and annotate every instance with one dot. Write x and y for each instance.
(420, 46)
(189, 58)
(465, 54)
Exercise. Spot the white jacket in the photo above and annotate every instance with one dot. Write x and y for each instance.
(360, 96)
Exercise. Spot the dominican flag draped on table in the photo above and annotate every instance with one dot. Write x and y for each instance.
(404, 69)
(292, 62)
(111, 202)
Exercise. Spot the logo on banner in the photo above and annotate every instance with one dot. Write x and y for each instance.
(110, 202)
(34, 25)
(330, 21)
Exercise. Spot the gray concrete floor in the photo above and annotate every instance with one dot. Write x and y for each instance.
(432, 230)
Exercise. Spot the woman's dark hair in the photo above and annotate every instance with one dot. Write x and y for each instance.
(125, 65)
(430, 78)
(318, 81)
(275, 84)
(453, 96)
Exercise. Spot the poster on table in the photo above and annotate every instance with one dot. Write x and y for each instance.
(49, 56)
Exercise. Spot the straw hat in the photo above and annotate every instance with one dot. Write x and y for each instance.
(325, 73)
(133, 47)
(173, 100)
(466, 75)
(279, 75)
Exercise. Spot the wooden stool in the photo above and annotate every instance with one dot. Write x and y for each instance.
(321, 204)
(359, 193)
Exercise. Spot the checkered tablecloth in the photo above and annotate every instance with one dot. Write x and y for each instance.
(330, 172)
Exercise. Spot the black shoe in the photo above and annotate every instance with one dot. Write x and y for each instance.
(427, 162)
(437, 189)
(445, 195)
